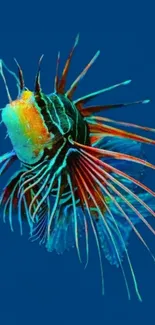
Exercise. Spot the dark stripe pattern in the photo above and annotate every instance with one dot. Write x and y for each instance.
(62, 118)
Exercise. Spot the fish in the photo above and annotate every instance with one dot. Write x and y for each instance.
(78, 170)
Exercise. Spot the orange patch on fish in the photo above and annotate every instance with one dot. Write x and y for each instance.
(30, 118)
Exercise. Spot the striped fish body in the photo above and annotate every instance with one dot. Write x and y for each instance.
(61, 114)
(76, 170)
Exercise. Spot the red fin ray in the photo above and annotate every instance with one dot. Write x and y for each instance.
(116, 155)
(56, 80)
(74, 85)
(99, 130)
(100, 179)
(9, 188)
(103, 175)
(110, 168)
(93, 187)
(93, 119)
(87, 111)
(60, 86)
(85, 177)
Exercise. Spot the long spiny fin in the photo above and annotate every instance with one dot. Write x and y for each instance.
(20, 74)
(107, 153)
(87, 172)
(101, 173)
(74, 85)
(55, 206)
(90, 96)
(2, 64)
(75, 216)
(107, 120)
(91, 179)
(84, 190)
(110, 168)
(62, 83)
(5, 83)
(87, 111)
(56, 80)
(98, 130)
(37, 86)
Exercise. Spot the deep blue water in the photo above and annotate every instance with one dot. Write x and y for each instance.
(37, 287)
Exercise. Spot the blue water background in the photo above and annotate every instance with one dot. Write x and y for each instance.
(37, 287)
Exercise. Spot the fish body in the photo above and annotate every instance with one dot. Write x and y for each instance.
(75, 170)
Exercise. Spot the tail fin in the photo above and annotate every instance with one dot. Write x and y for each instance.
(119, 226)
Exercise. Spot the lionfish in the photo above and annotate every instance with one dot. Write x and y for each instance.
(76, 170)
